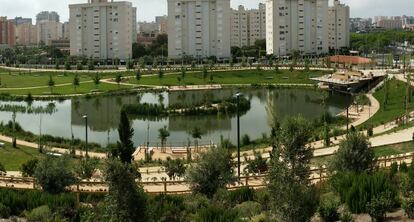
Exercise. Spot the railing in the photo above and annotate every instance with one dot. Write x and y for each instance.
(258, 181)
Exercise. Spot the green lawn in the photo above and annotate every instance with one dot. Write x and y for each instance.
(67, 89)
(13, 158)
(381, 151)
(394, 149)
(34, 79)
(396, 103)
(233, 77)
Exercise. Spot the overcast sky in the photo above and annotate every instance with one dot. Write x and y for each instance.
(148, 9)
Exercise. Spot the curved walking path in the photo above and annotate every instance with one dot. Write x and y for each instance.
(53, 149)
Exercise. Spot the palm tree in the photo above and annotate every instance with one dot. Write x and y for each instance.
(163, 134)
(196, 134)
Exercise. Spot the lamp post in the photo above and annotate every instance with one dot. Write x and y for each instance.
(238, 95)
(85, 117)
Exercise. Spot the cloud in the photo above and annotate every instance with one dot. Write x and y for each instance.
(148, 9)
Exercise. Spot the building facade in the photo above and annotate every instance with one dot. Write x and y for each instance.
(339, 26)
(297, 25)
(257, 24)
(48, 31)
(247, 26)
(102, 29)
(26, 34)
(7, 32)
(162, 23)
(199, 28)
(47, 16)
(239, 27)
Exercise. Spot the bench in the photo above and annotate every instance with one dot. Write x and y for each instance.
(179, 151)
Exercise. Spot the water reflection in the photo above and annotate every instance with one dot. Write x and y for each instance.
(103, 113)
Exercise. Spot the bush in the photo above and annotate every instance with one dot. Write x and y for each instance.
(216, 213)
(2, 169)
(21, 200)
(28, 168)
(328, 208)
(408, 206)
(246, 140)
(54, 175)
(41, 213)
(347, 217)
(379, 206)
(248, 209)
(357, 190)
(4, 211)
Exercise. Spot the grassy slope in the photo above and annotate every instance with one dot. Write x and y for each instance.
(233, 77)
(396, 100)
(12, 158)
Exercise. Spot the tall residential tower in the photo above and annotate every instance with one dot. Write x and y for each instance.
(102, 29)
(297, 25)
(339, 26)
(199, 28)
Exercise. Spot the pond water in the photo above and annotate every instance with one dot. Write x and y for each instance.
(103, 115)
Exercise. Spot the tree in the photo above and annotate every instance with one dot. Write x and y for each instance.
(213, 172)
(294, 198)
(163, 134)
(91, 64)
(174, 168)
(118, 79)
(28, 168)
(76, 82)
(67, 64)
(160, 73)
(196, 134)
(354, 154)
(205, 73)
(2, 169)
(54, 174)
(126, 201)
(130, 64)
(86, 167)
(97, 80)
(51, 84)
(138, 75)
(125, 146)
(183, 72)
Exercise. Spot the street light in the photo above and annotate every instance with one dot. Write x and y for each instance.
(85, 117)
(238, 95)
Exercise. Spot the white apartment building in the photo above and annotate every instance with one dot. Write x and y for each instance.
(199, 28)
(102, 29)
(239, 26)
(296, 25)
(48, 31)
(339, 26)
(247, 26)
(257, 23)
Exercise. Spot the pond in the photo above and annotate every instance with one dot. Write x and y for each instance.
(103, 115)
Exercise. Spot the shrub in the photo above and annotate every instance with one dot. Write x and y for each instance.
(379, 206)
(216, 213)
(41, 213)
(346, 217)
(246, 140)
(4, 211)
(21, 200)
(403, 167)
(357, 190)
(248, 209)
(2, 169)
(328, 208)
(408, 206)
(28, 168)
(53, 174)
